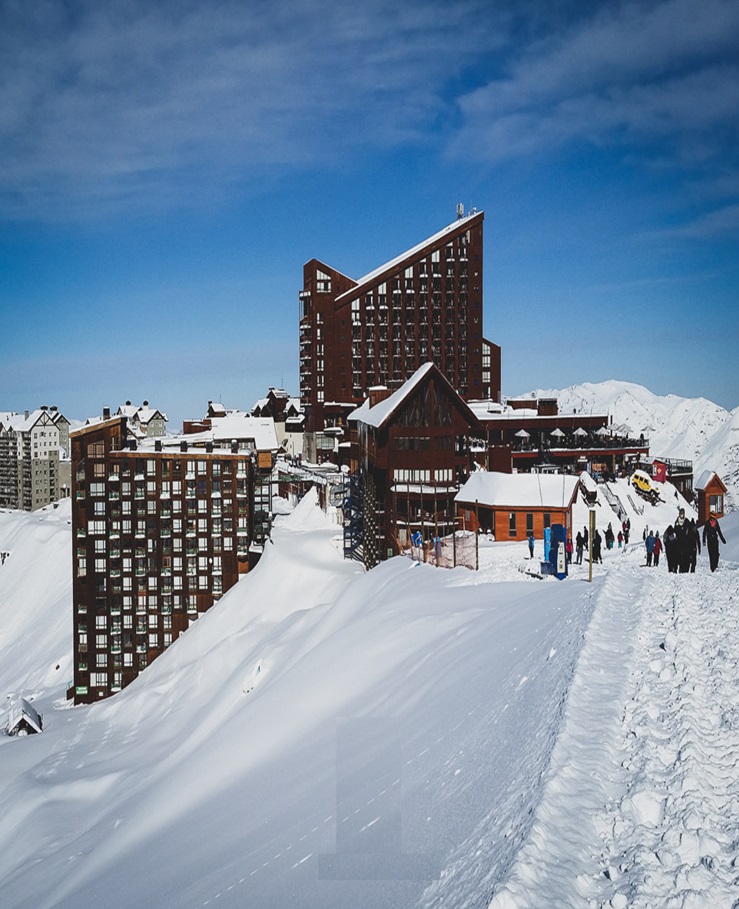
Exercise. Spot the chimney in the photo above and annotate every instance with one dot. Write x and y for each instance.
(183, 446)
(234, 445)
(209, 446)
(378, 393)
(158, 445)
(106, 413)
(145, 404)
(53, 408)
(128, 403)
(44, 407)
(27, 415)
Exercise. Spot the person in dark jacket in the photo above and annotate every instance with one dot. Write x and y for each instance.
(711, 535)
(670, 549)
(597, 540)
(694, 545)
(579, 546)
(682, 542)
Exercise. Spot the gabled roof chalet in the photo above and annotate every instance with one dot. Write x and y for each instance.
(378, 415)
(21, 711)
(707, 477)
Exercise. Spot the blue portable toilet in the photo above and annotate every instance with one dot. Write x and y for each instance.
(558, 550)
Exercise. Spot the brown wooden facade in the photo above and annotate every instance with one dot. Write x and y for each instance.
(424, 306)
(512, 522)
(412, 459)
(159, 536)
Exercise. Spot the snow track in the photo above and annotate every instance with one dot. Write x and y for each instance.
(646, 813)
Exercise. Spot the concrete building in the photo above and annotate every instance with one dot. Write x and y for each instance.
(31, 457)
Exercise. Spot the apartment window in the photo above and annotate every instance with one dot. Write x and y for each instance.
(512, 524)
(101, 641)
(98, 679)
(529, 523)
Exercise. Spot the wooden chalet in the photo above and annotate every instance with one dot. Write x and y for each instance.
(512, 506)
(711, 492)
(411, 450)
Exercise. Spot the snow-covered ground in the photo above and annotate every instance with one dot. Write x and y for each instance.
(404, 737)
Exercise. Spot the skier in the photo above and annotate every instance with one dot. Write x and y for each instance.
(711, 535)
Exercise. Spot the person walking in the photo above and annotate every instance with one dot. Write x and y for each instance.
(671, 549)
(620, 539)
(531, 545)
(597, 540)
(579, 546)
(568, 550)
(682, 543)
(657, 548)
(711, 535)
(649, 544)
(609, 537)
(694, 545)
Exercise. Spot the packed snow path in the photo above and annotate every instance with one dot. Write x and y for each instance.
(641, 807)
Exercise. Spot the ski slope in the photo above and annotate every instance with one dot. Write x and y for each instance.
(403, 737)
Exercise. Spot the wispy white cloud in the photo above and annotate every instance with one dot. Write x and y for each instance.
(665, 72)
(109, 103)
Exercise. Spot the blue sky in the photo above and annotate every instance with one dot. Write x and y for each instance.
(167, 169)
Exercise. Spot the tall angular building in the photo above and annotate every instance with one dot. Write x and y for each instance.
(423, 306)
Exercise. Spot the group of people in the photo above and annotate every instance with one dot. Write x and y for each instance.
(682, 543)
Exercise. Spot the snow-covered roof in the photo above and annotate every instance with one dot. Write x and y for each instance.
(239, 425)
(376, 416)
(705, 478)
(388, 266)
(22, 710)
(519, 490)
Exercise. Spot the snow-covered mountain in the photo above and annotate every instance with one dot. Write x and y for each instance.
(693, 429)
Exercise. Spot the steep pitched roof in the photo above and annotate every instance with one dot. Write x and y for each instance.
(378, 415)
(707, 477)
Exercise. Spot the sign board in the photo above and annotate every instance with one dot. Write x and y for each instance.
(336, 495)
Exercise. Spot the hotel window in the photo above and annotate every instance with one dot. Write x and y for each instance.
(547, 519)
(512, 524)
(529, 523)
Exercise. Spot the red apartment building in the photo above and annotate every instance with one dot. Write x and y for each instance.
(425, 305)
(159, 536)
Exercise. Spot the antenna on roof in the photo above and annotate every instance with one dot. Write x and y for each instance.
(460, 209)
